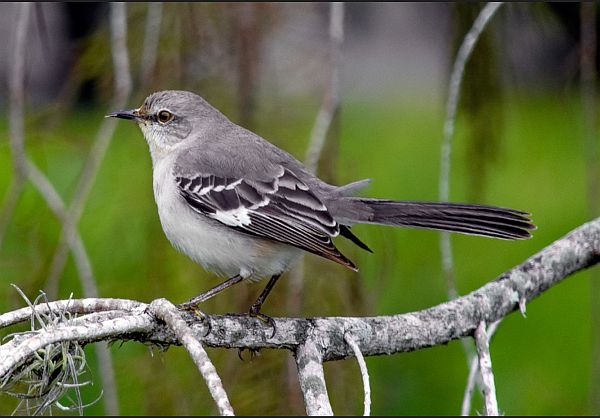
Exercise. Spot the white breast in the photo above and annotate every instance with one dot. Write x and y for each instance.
(216, 247)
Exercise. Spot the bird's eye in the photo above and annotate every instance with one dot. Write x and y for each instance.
(164, 116)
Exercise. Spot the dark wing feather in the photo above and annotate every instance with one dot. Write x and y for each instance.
(283, 209)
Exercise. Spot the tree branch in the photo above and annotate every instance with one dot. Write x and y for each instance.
(321, 339)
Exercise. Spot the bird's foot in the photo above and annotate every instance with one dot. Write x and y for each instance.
(254, 352)
(194, 310)
(254, 312)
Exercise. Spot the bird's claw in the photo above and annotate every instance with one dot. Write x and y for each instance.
(194, 310)
(255, 313)
(254, 352)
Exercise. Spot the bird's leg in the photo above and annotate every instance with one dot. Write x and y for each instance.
(255, 308)
(195, 301)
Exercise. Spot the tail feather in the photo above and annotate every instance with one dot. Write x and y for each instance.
(472, 219)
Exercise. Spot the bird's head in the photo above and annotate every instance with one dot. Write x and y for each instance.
(167, 118)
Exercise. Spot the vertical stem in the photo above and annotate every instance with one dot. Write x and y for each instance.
(471, 381)
(331, 98)
(16, 89)
(122, 88)
(473, 374)
(485, 368)
(456, 78)
(150, 47)
(16, 86)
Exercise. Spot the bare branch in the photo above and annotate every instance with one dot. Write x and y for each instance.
(315, 340)
(56, 204)
(331, 98)
(379, 335)
(166, 311)
(440, 324)
(471, 382)
(11, 198)
(473, 375)
(309, 360)
(151, 37)
(364, 372)
(485, 368)
(458, 70)
(16, 88)
(122, 89)
(16, 84)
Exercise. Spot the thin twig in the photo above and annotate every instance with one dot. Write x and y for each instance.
(364, 372)
(331, 98)
(485, 369)
(456, 78)
(473, 375)
(167, 312)
(56, 204)
(469, 388)
(16, 88)
(122, 89)
(16, 83)
(11, 198)
(150, 46)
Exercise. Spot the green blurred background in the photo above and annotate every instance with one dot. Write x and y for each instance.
(519, 143)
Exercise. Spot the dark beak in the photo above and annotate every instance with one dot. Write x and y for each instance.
(130, 114)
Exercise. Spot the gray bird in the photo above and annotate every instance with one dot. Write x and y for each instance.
(245, 209)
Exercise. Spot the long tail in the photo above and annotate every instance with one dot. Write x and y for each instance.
(489, 221)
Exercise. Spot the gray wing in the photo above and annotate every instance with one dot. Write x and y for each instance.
(281, 209)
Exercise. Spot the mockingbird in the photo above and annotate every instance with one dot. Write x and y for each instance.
(245, 209)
